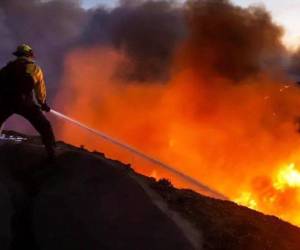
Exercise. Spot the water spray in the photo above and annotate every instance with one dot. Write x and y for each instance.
(142, 155)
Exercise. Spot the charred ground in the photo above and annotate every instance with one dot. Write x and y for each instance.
(86, 201)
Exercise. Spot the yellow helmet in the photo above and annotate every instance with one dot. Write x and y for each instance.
(24, 50)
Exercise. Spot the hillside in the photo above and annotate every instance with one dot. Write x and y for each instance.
(86, 201)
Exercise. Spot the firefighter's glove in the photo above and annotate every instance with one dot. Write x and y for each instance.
(45, 107)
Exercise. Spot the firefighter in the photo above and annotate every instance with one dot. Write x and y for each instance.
(19, 79)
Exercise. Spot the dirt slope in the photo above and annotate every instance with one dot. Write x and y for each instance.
(85, 201)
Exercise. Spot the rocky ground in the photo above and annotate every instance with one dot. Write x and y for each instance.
(85, 201)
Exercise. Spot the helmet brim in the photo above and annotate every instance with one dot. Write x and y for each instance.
(19, 53)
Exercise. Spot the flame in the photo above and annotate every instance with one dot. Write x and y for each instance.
(282, 197)
(154, 175)
(230, 137)
(247, 199)
(288, 177)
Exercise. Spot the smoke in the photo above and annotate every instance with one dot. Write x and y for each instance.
(147, 33)
(294, 65)
(233, 42)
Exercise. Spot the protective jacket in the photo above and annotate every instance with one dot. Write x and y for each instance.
(20, 77)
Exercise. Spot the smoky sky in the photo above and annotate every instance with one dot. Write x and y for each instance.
(232, 41)
(147, 33)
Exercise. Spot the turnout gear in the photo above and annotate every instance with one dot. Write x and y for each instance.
(18, 80)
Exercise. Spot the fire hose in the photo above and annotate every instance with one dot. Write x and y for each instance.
(142, 155)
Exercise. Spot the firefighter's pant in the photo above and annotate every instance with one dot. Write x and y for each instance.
(31, 112)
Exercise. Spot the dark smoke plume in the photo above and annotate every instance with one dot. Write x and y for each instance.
(232, 41)
(146, 32)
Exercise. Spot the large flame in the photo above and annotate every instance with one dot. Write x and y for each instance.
(239, 139)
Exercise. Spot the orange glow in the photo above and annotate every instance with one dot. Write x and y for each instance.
(246, 199)
(288, 177)
(281, 196)
(233, 137)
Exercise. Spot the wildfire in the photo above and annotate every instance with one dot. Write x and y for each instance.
(197, 129)
(220, 117)
(288, 177)
(247, 200)
(282, 192)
